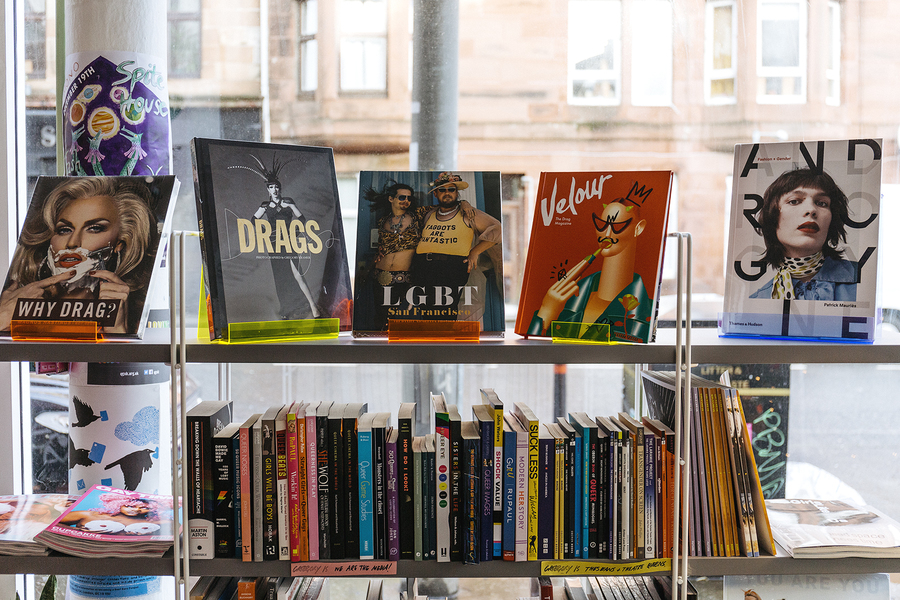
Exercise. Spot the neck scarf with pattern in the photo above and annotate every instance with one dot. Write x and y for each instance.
(783, 288)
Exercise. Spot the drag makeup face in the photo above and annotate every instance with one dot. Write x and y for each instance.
(274, 190)
(617, 227)
(84, 236)
(803, 222)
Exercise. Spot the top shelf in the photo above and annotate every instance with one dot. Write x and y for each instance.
(706, 347)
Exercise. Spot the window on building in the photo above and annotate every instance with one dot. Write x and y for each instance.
(595, 52)
(651, 53)
(35, 39)
(781, 52)
(833, 65)
(309, 46)
(363, 45)
(720, 71)
(184, 38)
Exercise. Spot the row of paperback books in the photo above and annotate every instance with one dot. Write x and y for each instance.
(727, 512)
(329, 480)
(259, 588)
(610, 588)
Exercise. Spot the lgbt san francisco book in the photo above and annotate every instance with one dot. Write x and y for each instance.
(803, 241)
(428, 248)
(272, 239)
(595, 256)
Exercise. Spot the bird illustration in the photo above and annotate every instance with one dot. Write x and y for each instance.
(78, 456)
(84, 413)
(133, 467)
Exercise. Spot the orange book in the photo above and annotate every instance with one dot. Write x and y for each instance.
(595, 255)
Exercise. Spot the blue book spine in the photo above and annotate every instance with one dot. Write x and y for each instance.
(366, 483)
(579, 523)
(585, 494)
(509, 495)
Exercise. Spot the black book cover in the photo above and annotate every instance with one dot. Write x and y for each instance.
(379, 436)
(203, 422)
(223, 491)
(456, 489)
(271, 234)
(613, 470)
(352, 413)
(546, 493)
(485, 422)
(588, 429)
(406, 418)
(323, 479)
(471, 478)
(428, 479)
(270, 484)
(571, 495)
(337, 467)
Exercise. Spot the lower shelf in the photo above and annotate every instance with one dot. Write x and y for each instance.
(61, 564)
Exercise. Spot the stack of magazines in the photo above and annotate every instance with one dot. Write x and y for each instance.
(108, 522)
(23, 517)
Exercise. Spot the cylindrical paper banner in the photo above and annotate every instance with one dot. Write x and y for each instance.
(119, 433)
(115, 105)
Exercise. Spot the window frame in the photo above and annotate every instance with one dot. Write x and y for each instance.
(173, 17)
(800, 71)
(345, 37)
(615, 71)
(710, 72)
(833, 75)
(304, 40)
(667, 60)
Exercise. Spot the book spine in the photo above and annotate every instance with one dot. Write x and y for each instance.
(257, 493)
(486, 548)
(200, 516)
(246, 461)
(407, 485)
(650, 495)
(472, 479)
(560, 506)
(270, 492)
(442, 485)
(302, 488)
(223, 463)
(521, 496)
(615, 497)
(351, 490)
(282, 492)
(639, 478)
(392, 501)
(508, 534)
(337, 499)
(592, 493)
(581, 500)
(236, 495)
(312, 485)
(366, 514)
(431, 503)
(293, 479)
(418, 506)
(572, 501)
(546, 497)
(324, 479)
(380, 512)
(533, 470)
(497, 444)
(456, 492)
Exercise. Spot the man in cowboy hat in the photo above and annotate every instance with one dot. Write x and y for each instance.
(449, 249)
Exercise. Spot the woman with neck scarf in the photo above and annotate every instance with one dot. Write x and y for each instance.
(802, 221)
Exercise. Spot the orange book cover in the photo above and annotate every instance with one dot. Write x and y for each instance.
(595, 253)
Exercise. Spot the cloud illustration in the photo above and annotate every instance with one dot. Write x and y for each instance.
(142, 430)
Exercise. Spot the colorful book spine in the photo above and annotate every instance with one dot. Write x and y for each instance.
(509, 493)
(247, 478)
(223, 490)
(442, 479)
(282, 486)
(312, 483)
(236, 494)
(324, 479)
(303, 485)
(257, 491)
(352, 414)
(471, 465)
(521, 489)
(406, 418)
(486, 431)
(392, 498)
(456, 493)
(366, 491)
(293, 479)
(495, 406)
(546, 495)
(532, 426)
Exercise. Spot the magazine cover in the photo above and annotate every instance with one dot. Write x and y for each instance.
(271, 233)
(832, 528)
(595, 254)
(802, 254)
(110, 522)
(870, 586)
(90, 250)
(24, 516)
(429, 247)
